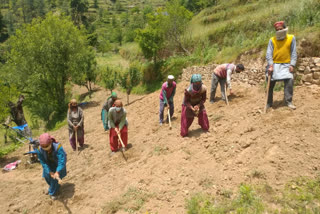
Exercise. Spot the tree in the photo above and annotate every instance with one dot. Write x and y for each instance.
(43, 56)
(130, 78)
(151, 38)
(175, 22)
(95, 4)
(78, 8)
(7, 94)
(89, 75)
(110, 77)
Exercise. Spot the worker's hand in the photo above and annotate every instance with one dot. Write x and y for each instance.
(51, 174)
(117, 130)
(196, 108)
(270, 69)
(56, 175)
(291, 68)
(231, 93)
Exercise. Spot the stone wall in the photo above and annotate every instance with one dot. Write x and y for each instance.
(307, 72)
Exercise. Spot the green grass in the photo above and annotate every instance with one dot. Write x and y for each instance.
(235, 28)
(131, 202)
(113, 60)
(301, 195)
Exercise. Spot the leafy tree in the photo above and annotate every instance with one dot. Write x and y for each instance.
(95, 4)
(110, 77)
(7, 93)
(130, 78)
(43, 56)
(175, 22)
(78, 8)
(151, 38)
(89, 75)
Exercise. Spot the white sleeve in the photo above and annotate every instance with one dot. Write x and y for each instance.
(229, 71)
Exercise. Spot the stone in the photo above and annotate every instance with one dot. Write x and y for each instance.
(301, 68)
(307, 70)
(317, 82)
(315, 69)
(307, 78)
(316, 60)
(318, 64)
(316, 75)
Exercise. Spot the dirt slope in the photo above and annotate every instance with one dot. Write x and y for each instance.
(164, 169)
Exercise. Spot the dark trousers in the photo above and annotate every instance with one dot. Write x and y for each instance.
(162, 109)
(214, 84)
(288, 91)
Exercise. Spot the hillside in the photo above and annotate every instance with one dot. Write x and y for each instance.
(163, 169)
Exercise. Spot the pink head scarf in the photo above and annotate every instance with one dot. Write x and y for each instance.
(45, 139)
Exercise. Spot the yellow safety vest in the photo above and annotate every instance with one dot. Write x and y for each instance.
(282, 49)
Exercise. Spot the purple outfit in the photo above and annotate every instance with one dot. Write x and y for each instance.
(191, 99)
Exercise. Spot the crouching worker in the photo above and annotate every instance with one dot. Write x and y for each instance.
(118, 126)
(53, 160)
(193, 105)
(222, 75)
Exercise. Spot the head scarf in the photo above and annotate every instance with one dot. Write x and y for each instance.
(196, 78)
(280, 23)
(45, 139)
(114, 94)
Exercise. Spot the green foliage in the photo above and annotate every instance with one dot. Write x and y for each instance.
(130, 77)
(110, 77)
(246, 202)
(131, 201)
(43, 56)
(151, 38)
(174, 23)
(7, 93)
(302, 195)
(78, 8)
(6, 149)
(89, 74)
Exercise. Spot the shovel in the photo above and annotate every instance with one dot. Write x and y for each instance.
(226, 94)
(170, 127)
(268, 86)
(123, 146)
(59, 181)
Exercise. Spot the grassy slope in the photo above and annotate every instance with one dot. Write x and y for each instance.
(237, 27)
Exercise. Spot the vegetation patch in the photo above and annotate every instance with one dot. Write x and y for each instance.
(131, 201)
(301, 195)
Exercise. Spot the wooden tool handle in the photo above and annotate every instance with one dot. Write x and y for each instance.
(268, 86)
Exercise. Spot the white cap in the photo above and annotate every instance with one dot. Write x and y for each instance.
(170, 77)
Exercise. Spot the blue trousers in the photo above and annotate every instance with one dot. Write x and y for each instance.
(162, 109)
(104, 118)
(53, 183)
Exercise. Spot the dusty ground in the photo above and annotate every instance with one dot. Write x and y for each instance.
(164, 169)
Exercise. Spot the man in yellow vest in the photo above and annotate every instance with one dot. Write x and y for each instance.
(281, 57)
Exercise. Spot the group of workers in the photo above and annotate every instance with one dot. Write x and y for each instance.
(281, 57)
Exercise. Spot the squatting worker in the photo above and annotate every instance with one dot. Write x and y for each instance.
(53, 160)
(118, 126)
(281, 57)
(193, 105)
(167, 93)
(222, 75)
